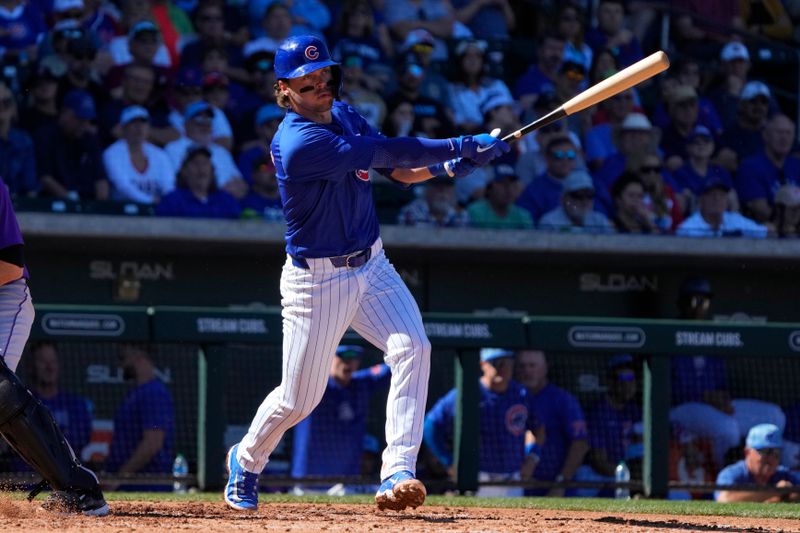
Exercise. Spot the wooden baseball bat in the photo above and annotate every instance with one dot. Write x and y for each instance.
(621, 81)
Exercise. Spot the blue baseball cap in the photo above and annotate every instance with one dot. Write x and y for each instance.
(133, 112)
(81, 103)
(699, 131)
(349, 351)
(716, 181)
(269, 112)
(143, 26)
(764, 436)
(195, 108)
(490, 354)
(696, 285)
(504, 171)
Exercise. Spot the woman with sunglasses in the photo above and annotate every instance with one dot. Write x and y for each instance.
(659, 197)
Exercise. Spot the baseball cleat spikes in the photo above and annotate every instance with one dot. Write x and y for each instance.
(399, 491)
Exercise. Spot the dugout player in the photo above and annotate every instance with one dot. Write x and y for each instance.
(25, 423)
(330, 441)
(506, 413)
(336, 274)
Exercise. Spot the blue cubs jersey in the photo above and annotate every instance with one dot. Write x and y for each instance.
(504, 418)
(329, 442)
(323, 177)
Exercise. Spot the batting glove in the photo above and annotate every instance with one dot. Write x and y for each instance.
(482, 148)
(455, 168)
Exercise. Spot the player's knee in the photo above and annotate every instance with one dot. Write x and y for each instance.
(14, 396)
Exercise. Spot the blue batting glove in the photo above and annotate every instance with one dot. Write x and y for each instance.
(482, 148)
(455, 168)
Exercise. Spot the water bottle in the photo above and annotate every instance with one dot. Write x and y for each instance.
(622, 475)
(180, 471)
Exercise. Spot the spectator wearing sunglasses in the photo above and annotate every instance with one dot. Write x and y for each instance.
(569, 82)
(760, 466)
(576, 212)
(497, 209)
(544, 193)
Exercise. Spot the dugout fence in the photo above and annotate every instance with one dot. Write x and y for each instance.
(220, 363)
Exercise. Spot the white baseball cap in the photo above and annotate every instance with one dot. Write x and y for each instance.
(636, 121)
(734, 50)
(133, 112)
(752, 89)
(59, 6)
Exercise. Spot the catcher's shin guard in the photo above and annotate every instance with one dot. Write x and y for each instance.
(29, 428)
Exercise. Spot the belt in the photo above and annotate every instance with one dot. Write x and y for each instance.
(354, 260)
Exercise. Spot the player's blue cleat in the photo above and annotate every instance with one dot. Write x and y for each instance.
(241, 492)
(400, 490)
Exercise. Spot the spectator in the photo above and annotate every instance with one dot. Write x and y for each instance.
(188, 90)
(700, 393)
(688, 75)
(497, 209)
(53, 48)
(196, 193)
(305, 16)
(174, 25)
(101, 20)
(17, 156)
(41, 106)
(264, 199)
(683, 113)
(760, 466)
(543, 193)
(786, 213)
(198, 119)
(437, 207)
(69, 154)
(139, 171)
(576, 212)
(659, 196)
(267, 121)
(138, 88)
(612, 34)
(599, 139)
(540, 77)
(418, 48)
(735, 66)
(81, 74)
(360, 34)
(21, 27)
(144, 423)
(631, 215)
(258, 92)
(357, 93)
(505, 412)
(328, 443)
(569, 83)
(636, 136)
(703, 25)
(141, 45)
(434, 16)
(570, 21)
(761, 174)
(71, 412)
(767, 18)
(744, 138)
(692, 176)
(491, 20)
(209, 20)
(430, 117)
(471, 87)
(276, 25)
(221, 95)
(565, 442)
(611, 421)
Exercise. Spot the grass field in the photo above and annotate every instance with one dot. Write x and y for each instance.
(681, 508)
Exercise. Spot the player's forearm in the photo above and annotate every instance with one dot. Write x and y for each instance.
(411, 175)
(575, 454)
(414, 152)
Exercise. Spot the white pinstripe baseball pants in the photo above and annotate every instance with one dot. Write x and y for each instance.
(16, 318)
(319, 303)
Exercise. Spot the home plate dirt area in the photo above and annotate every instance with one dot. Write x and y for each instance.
(20, 515)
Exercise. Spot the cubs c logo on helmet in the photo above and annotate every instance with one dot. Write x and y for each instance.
(363, 175)
(311, 53)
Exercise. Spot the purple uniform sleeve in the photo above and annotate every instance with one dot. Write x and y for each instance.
(11, 233)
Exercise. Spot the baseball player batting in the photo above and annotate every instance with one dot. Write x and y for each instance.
(25, 423)
(336, 274)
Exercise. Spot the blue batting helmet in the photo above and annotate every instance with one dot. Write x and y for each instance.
(303, 54)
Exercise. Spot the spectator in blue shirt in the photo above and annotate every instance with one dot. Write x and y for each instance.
(144, 423)
(744, 137)
(541, 76)
(712, 218)
(196, 193)
(69, 157)
(328, 443)
(22, 25)
(543, 194)
(697, 169)
(268, 118)
(264, 199)
(612, 34)
(486, 20)
(760, 466)
(576, 213)
(17, 157)
(565, 443)
(505, 412)
(762, 174)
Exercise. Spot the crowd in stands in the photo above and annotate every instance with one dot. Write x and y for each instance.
(170, 104)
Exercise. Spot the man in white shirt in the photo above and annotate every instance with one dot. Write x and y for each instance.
(198, 119)
(138, 170)
(712, 219)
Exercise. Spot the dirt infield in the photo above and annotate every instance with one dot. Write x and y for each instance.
(18, 515)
